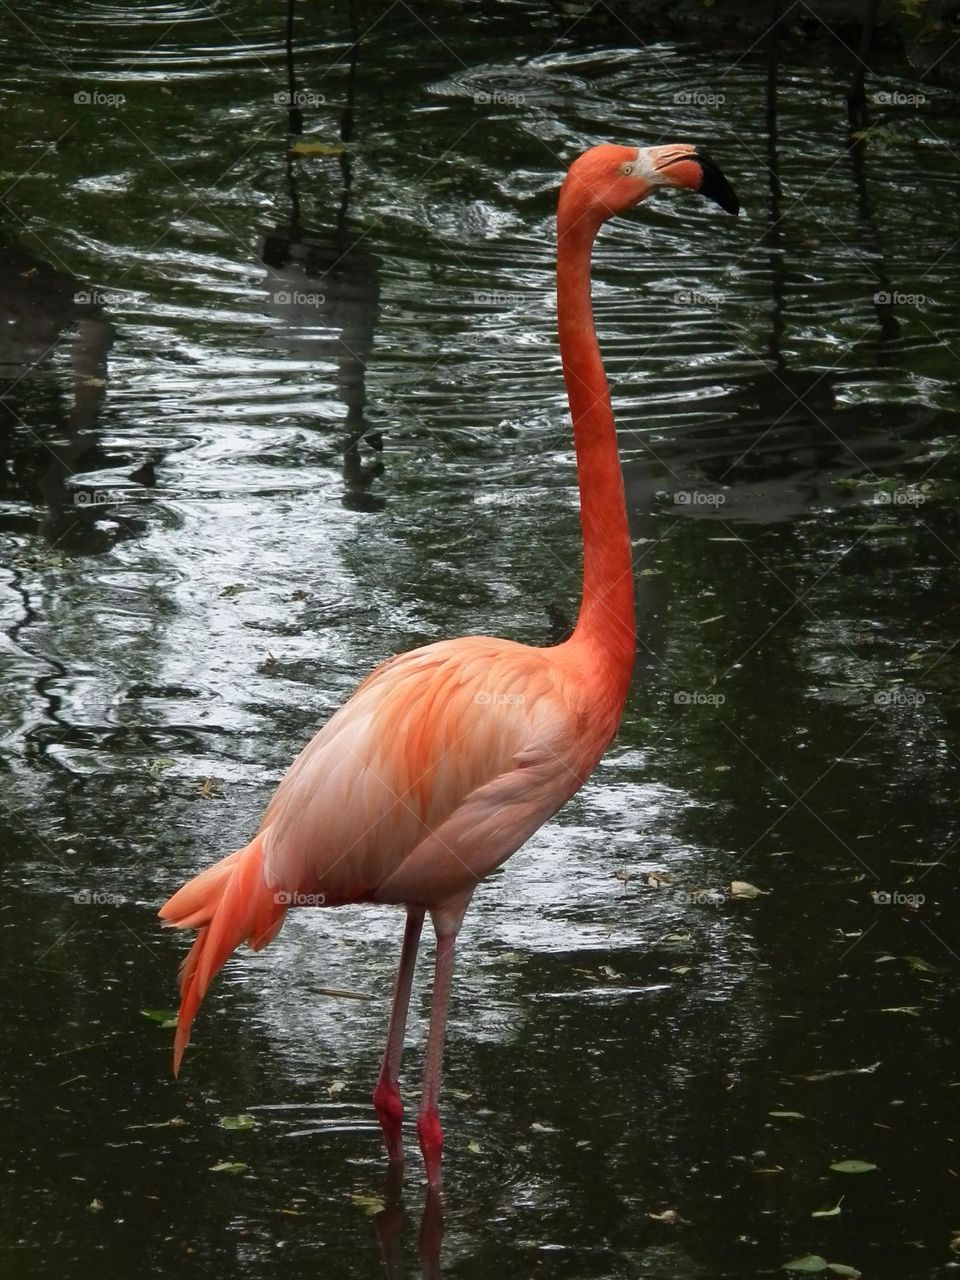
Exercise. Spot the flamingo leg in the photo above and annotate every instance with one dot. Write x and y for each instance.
(428, 1122)
(386, 1096)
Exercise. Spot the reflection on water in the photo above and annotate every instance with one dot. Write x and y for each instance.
(642, 1069)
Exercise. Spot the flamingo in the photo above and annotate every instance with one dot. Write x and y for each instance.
(447, 758)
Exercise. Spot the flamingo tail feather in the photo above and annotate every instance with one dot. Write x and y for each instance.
(229, 903)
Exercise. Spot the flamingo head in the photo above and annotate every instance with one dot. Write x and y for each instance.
(607, 180)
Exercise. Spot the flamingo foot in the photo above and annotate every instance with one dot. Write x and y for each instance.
(431, 1144)
(389, 1108)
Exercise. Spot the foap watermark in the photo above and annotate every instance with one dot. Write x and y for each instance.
(105, 497)
(906, 497)
(98, 98)
(694, 897)
(698, 98)
(97, 298)
(496, 298)
(894, 298)
(293, 898)
(98, 898)
(298, 298)
(899, 698)
(486, 698)
(698, 498)
(884, 898)
(697, 698)
(896, 98)
(697, 298)
(299, 98)
(499, 98)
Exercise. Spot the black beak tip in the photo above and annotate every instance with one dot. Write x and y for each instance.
(714, 185)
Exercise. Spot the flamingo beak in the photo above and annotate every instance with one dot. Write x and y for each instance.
(694, 168)
(713, 184)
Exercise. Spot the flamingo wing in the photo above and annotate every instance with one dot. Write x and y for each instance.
(441, 765)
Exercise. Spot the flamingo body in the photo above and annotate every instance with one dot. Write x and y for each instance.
(442, 764)
(446, 759)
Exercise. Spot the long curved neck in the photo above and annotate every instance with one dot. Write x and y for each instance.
(606, 620)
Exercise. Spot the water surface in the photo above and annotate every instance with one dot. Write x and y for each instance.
(203, 548)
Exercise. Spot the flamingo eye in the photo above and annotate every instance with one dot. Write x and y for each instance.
(626, 168)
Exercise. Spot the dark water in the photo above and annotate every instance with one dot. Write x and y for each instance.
(196, 570)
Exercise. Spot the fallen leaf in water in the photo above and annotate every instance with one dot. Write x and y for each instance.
(607, 972)
(743, 889)
(234, 589)
(542, 1128)
(808, 1265)
(669, 1216)
(828, 1213)
(237, 1122)
(474, 1146)
(318, 149)
(95, 1206)
(368, 1203)
(165, 1017)
(787, 1115)
(912, 1009)
(839, 1269)
(336, 1086)
(228, 1166)
(846, 1071)
(853, 1166)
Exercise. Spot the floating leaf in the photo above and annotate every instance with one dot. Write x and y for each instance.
(165, 1017)
(923, 966)
(787, 1115)
(474, 1146)
(542, 1128)
(157, 766)
(318, 149)
(234, 589)
(848, 1071)
(669, 1216)
(743, 889)
(368, 1203)
(853, 1166)
(95, 1205)
(228, 1166)
(809, 1264)
(237, 1122)
(828, 1213)
(337, 1086)
(912, 1009)
(839, 1269)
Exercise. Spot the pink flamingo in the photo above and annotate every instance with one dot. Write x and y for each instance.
(448, 758)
